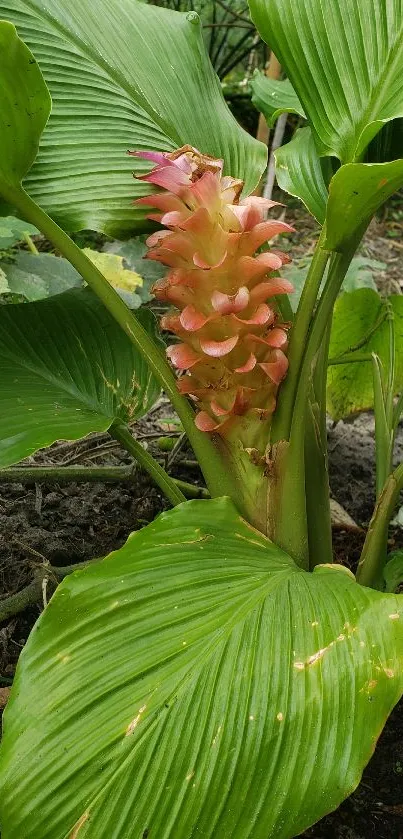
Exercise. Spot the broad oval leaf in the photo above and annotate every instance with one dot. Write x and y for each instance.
(356, 192)
(24, 107)
(197, 683)
(302, 173)
(66, 370)
(13, 230)
(36, 276)
(274, 97)
(345, 61)
(122, 75)
(360, 320)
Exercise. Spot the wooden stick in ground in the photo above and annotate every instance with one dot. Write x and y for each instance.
(273, 71)
(277, 142)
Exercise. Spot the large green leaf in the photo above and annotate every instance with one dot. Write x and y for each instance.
(122, 75)
(302, 173)
(197, 683)
(36, 276)
(345, 61)
(13, 230)
(356, 191)
(359, 275)
(24, 107)
(274, 97)
(66, 369)
(356, 315)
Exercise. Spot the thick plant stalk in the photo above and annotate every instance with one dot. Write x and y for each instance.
(278, 138)
(373, 557)
(232, 341)
(273, 71)
(232, 336)
(87, 474)
(120, 432)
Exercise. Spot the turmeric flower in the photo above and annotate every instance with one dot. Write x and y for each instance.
(232, 341)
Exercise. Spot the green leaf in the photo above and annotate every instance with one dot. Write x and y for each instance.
(345, 61)
(356, 316)
(12, 231)
(36, 276)
(300, 172)
(356, 191)
(361, 273)
(273, 97)
(161, 693)
(122, 75)
(133, 251)
(66, 369)
(24, 108)
(393, 571)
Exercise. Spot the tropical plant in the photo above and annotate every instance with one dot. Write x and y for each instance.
(218, 676)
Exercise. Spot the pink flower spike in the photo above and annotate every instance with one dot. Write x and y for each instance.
(207, 191)
(182, 356)
(271, 261)
(219, 349)
(168, 177)
(285, 258)
(176, 218)
(267, 230)
(204, 422)
(252, 210)
(156, 238)
(277, 338)
(201, 263)
(227, 304)
(192, 320)
(249, 366)
(219, 410)
(277, 369)
(158, 157)
(270, 289)
(263, 315)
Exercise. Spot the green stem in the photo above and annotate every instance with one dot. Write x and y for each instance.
(32, 593)
(20, 601)
(384, 430)
(204, 448)
(86, 474)
(373, 557)
(316, 459)
(324, 312)
(349, 359)
(121, 433)
(30, 244)
(282, 419)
